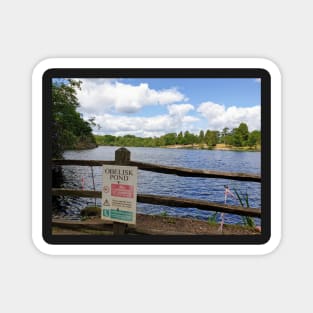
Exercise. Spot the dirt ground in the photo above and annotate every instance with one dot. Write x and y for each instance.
(151, 224)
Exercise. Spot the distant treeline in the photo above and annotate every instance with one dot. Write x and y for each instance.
(237, 137)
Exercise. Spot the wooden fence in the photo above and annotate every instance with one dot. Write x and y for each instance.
(122, 157)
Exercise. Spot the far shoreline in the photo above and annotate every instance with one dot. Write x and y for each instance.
(220, 146)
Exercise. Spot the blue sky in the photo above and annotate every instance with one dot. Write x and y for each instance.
(244, 92)
(155, 106)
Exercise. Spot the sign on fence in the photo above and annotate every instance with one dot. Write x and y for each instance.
(119, 193)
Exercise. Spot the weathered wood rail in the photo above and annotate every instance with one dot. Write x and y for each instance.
(168, 201)
(122, 157)
(179, 171)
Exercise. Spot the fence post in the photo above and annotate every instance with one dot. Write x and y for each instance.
(122, 157)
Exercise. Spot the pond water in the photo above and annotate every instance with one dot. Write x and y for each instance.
(162, 184)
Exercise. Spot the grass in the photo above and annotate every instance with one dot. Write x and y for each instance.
(89, 211)
(163, 214)
(247, 220)
(169, 219)
(212, 220)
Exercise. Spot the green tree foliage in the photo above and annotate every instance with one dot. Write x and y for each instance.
(254, 138)
(243, 129)
(201, 137)
(187, 138)
(180, 138)
(223, 135)
(190, 138)
(170, 139)
(69, 129)
(238, 137)
(211, 137)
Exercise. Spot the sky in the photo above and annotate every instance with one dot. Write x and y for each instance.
(149, 107)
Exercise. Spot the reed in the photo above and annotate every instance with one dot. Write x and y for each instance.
(244, 200)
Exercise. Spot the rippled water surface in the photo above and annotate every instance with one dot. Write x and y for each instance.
(163, 184)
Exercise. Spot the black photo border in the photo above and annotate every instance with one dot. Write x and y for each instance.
(258, 239)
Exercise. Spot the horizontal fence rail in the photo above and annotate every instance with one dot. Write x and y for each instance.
(168, 201)
(179, 171)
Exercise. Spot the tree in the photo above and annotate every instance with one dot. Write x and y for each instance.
(170, 139)
(224, 134)
(69, 129)
(187, 137)
(180, 138)
(244, 132)
(211, 137)
(201, 137)
(240, 135)
(254, 138)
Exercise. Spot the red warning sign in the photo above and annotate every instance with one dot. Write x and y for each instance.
(123, 191)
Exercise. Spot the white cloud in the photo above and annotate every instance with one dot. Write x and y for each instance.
(219, 117)
(103, 96)
(150, 126)
(189, 119)
(180, 109)
(140, 126)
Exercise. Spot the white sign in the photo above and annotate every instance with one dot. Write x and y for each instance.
(119, 193)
